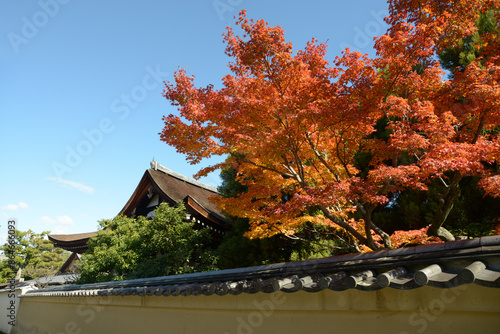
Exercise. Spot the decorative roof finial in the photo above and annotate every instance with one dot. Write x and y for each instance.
(154, 164)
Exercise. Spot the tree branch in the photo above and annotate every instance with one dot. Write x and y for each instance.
(343, 224)
(268, 168)
(479, 128)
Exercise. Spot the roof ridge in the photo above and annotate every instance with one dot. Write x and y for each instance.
(156, 166)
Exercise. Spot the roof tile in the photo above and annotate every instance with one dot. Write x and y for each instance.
(443, 265)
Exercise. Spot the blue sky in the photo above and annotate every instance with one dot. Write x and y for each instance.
(81, 85)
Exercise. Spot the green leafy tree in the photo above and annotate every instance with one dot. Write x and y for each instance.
(34, 254)
(128, 248)
(473, 214)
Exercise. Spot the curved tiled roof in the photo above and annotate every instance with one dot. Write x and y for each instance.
(72, 242)
(175, 187)
(444, 265)
(71, 237)
(178, 188)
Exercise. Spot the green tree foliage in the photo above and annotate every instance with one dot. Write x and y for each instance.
(473, 214)
(317, 241)
(128, 248)
(469, 49)
(34, 254)
(237, 251)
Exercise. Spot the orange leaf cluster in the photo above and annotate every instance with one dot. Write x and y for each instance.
(412, 238)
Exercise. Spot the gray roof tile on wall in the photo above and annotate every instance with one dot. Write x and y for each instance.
(444, 265)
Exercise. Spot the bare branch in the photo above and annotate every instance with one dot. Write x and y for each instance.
(268, 168)
(320, 157)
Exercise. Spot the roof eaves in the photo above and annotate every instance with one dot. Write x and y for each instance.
(209, 212)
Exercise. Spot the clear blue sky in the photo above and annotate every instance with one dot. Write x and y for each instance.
(81, 85)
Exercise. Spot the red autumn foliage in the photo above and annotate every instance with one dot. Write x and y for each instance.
(412, 238)
(292, 124)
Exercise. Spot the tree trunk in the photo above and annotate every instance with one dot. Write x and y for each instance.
(367, 210)
(442, 233)
(385, 237)
(444, 208)
(369, 225)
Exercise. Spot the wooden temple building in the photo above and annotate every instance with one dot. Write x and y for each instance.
(160, 185)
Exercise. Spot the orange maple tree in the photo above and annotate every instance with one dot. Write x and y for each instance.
(292, 124)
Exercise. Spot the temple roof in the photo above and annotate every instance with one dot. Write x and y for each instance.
(76, 243)
(444, 265)
(175, 188)
(171, 187)
(71, 237)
